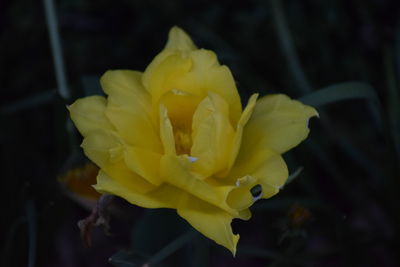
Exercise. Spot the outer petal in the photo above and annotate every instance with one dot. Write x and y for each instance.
(88, 114)
(262, 167)
(211, 221)
(198, 74)
(176, 171)
(106, 150)
(207, 219)
(124, 88)
(212, 136)
(278, 123)
(266, 166)
(197, 71)
(102, 147)
(162, 77)
(178, 42)
(239, 132)
(145, 163)
(208, 75)
(164, 196)
(129, 109)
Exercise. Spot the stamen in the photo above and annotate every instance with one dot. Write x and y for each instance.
(183, 142)
(178, 92)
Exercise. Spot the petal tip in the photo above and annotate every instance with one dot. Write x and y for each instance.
(316, 114)
(313, 113)
(179, 39)
(233, 249)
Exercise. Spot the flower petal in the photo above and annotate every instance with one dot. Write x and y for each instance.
(178, 39)
(175, 170)
(145, 163)
(245, 214)
(181, 106)
(212, 136)
(166, 132)
(262, 167)
(278, 123)
(119, 172)
(124, 88)
(134, 128)
(211, 221)
(164, 196)
(88, 114)
(178, 43)
(128, 109)
(106, 151)
(206, 218)
(207, 75)
(244, 118)
(102, 147)
(161, 77)
(197, 72)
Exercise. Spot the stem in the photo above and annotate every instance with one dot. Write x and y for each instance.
(54, 36)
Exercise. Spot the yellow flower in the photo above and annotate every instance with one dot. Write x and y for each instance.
(175, 136)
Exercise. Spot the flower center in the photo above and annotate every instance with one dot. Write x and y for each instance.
(183, 141)
(181, 106)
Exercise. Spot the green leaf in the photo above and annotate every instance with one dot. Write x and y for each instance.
(340, 92)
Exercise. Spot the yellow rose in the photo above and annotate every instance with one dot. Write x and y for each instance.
(175, 136)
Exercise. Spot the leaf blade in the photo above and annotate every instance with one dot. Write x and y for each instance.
(340, 92)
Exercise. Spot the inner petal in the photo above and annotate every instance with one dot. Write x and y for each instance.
(213, 136)
(181, 106)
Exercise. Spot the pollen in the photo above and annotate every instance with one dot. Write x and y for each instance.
(183, 142)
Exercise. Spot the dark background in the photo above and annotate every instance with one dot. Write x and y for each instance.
(340, 211)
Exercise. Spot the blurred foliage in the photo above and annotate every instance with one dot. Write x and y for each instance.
(347, 192)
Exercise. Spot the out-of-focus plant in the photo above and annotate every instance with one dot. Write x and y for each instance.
(77, 183)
